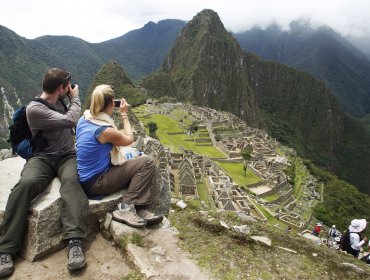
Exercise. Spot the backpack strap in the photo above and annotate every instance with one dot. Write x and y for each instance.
(63, 103)
(37, 137)
(43, 101)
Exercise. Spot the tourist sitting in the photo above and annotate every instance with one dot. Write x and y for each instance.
(316, 231)
(103, 169)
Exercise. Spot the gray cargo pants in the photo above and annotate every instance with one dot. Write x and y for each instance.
(36, 175)
(137, 175)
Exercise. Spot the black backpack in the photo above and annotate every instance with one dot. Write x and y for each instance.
(345, 243)
(20, 136)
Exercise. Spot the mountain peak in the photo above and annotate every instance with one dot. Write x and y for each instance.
(208, 63)
(206, 20)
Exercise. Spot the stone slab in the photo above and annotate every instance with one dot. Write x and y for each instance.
(44, 234)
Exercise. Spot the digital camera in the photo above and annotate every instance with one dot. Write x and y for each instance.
(117, 102)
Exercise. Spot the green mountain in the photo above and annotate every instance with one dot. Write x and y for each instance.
(323, 53)
(205, 66)
(141, 51)
(113, 74)
(208, 68)
(23, 62)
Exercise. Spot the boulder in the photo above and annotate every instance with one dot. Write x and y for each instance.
(44, 234)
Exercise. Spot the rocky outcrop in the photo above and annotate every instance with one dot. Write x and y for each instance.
(44, 233)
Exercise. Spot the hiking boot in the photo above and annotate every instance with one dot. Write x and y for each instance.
(128, 216)
(6, 264)
(76, 259)
(149, 217)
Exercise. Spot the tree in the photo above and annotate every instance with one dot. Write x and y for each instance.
(153, 127)
(246, 153)
(193, 127)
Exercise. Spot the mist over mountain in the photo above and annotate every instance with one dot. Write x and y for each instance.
(321, 52)
(362, 43)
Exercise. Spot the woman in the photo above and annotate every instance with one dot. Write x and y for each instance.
(101, 166)
(355, 238)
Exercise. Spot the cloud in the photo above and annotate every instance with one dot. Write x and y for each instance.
(99, 20)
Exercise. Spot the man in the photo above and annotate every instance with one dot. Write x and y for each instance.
(56, 158)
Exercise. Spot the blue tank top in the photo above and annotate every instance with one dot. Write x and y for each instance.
(93, 158)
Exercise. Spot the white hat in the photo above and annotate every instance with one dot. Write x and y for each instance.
(333, 226)
(337, 239)
(357, 225)
(318, 224)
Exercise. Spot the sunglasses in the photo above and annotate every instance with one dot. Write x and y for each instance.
(68, 76)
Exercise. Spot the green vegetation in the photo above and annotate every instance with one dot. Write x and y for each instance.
(167, 125)
(246, 153)
(134, 238)
(159, 84)
(153, 127)
(133, 276)
(298, 174)
(235, 171)
(239, 257)
(113, 74)
(205, 195)
(342, 201)
(366, 121)
(271, 198)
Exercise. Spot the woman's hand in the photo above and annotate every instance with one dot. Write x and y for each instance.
(123, 108)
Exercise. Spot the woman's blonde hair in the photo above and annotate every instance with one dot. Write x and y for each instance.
(101, 98)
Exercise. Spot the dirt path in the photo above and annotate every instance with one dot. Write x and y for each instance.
(103, 262)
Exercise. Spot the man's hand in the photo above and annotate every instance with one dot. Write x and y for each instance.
(73, 92)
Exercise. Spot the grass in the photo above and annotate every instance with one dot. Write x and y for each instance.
(235, 171)
(133, 276)
(173, 142)
(271, 198)
(300, 178)
(228, 255)
(205, 195)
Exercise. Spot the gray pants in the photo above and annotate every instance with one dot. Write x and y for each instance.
(36, 175)
(136, 175)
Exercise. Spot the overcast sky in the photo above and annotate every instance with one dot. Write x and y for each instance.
(98, 20)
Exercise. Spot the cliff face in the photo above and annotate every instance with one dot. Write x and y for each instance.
(297, 109)
(207, 65)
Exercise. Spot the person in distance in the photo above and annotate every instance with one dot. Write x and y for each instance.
(57, 158)
(101, 166)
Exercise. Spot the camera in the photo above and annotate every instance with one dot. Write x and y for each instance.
(117, 102)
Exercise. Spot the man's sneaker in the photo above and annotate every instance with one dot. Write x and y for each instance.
(128, 216)
(76, 259)
(6, 264)
(149, 217)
